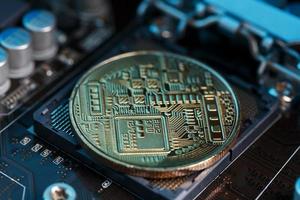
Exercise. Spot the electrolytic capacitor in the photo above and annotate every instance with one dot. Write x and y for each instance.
(42, 26)
(4, 79)
(17, 43)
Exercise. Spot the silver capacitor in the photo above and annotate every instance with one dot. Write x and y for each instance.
(42, 26)
(17, 42)
(4, 79)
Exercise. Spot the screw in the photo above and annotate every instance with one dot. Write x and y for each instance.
(285, 92)
(59, 191)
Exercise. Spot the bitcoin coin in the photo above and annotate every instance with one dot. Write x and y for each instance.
(154, 114)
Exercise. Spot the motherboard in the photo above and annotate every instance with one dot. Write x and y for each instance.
(149, 99)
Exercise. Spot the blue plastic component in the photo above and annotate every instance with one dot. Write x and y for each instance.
(274, 21)
(297, 190)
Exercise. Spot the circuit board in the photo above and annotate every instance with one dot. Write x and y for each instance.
(22, 92)
(40, 153)
(50, 122)
(271, 170)
(21, 151)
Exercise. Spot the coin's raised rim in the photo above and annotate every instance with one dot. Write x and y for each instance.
(156, 172)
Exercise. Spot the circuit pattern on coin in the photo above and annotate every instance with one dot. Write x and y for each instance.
(155, 111)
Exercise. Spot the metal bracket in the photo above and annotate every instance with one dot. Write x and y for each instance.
(269, 31)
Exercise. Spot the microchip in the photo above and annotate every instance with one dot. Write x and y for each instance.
(11, 12)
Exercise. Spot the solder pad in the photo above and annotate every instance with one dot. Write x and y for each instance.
(154, 114)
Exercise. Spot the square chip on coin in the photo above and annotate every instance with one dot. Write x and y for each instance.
(141, 134)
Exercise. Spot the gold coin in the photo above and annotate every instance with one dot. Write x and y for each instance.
(154, 114)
